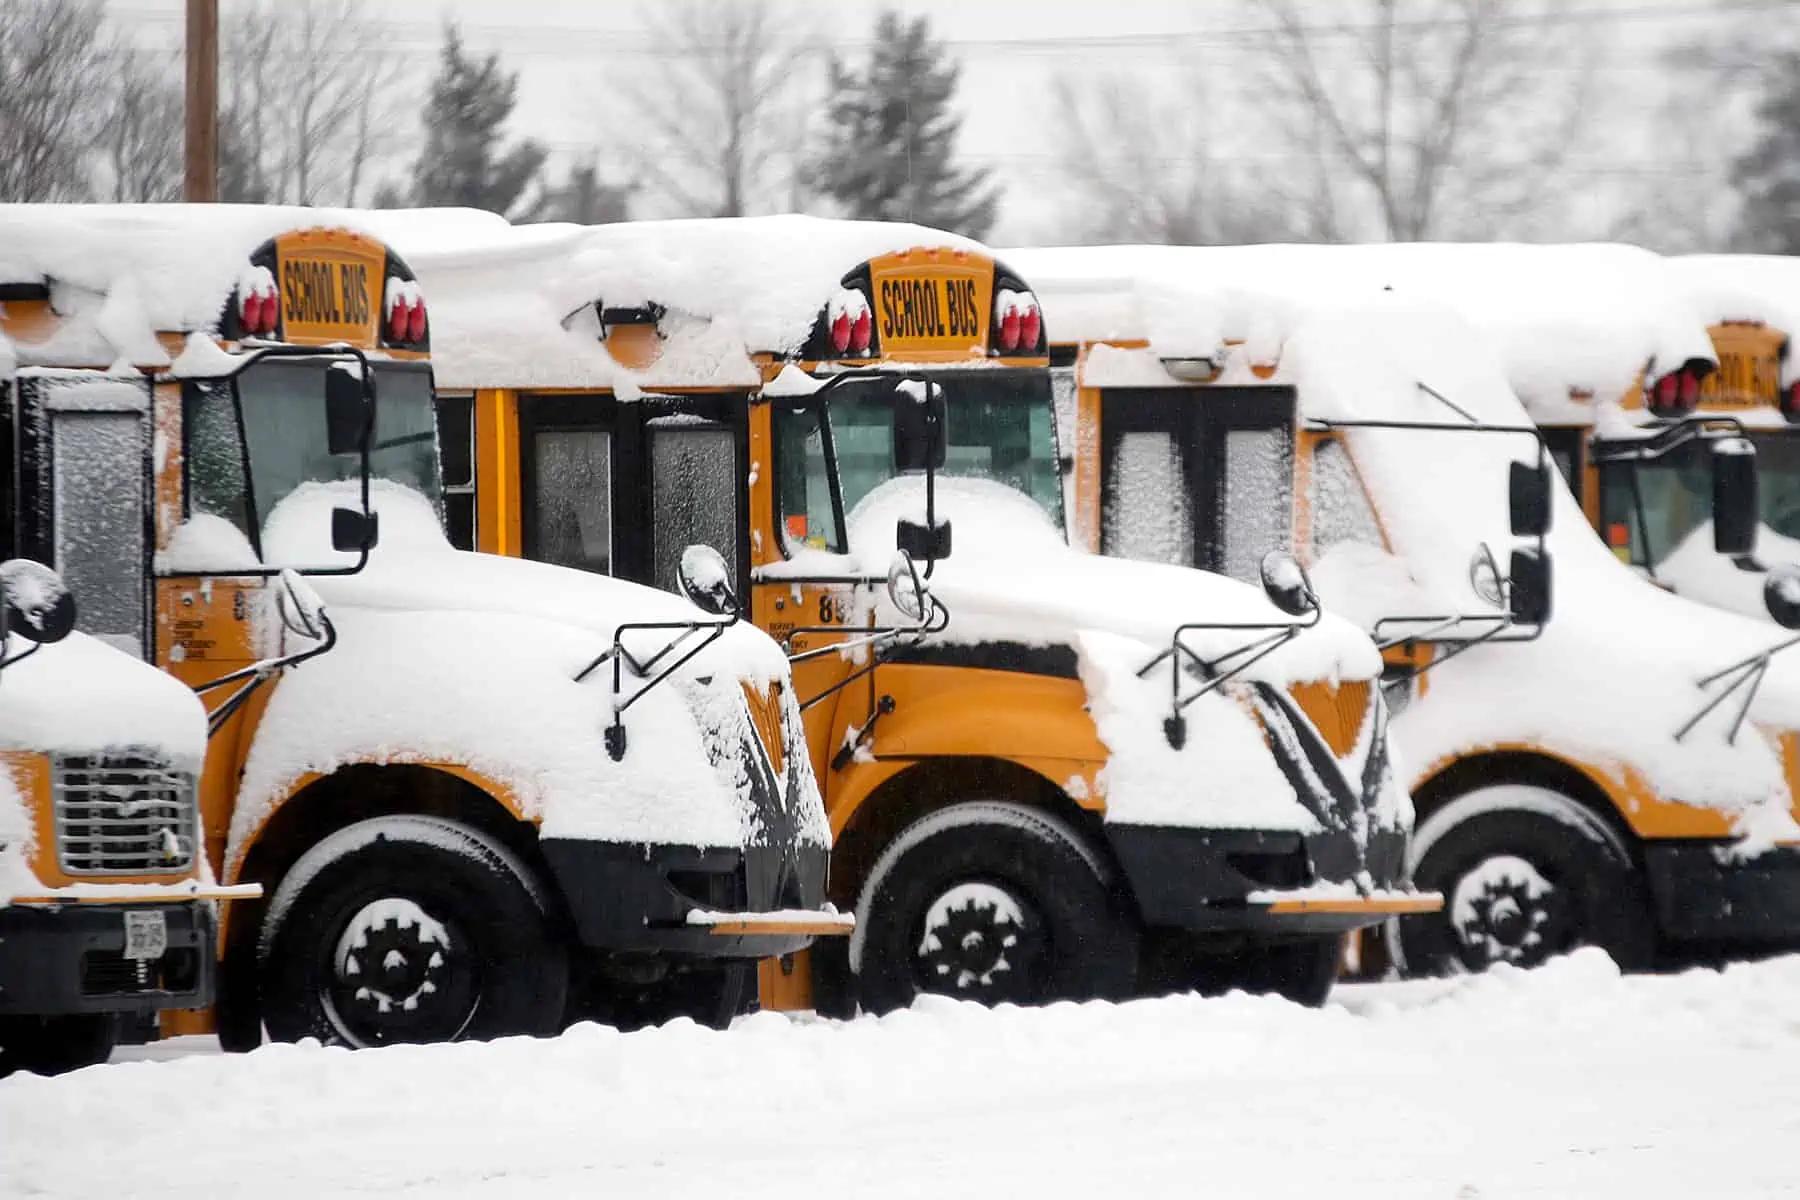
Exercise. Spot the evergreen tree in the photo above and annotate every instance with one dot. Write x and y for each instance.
(585, 199)
(892, 138)
(1768, 174)
(463, 162)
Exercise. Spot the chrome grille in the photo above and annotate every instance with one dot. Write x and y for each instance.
(122, 814)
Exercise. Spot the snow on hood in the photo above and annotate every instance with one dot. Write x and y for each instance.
(450, 656)
(1012, 578)
(1615, 673)
(81, 696)
(731, 287)
(120, 273)
(1697, 571)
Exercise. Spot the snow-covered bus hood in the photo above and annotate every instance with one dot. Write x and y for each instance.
(470, 659)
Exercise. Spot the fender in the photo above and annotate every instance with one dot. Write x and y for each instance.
(1649, 816)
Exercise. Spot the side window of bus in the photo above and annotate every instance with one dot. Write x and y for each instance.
(1339, 508)
(214, 454)
(803, 484)
(693, 493)
(456, 455)
(569, 511)
(1258, 498)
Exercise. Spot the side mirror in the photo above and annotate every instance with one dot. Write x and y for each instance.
(301, 610)
(1735, 509)
(920, 440)
(1528, 499)
(38, 606)
(918, 540)
(354, 531)
(348, 416)
(1528, 596)
(706, 581)
(1781, 595)
(1285, 583)
(905, 589)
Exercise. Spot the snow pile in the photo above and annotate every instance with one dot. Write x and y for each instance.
(1590, 689)
(453, 657)
(118, 274)
(1508, 1084)
(1695, 570)
(513, 307)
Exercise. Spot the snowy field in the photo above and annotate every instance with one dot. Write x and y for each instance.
(1570, 1081)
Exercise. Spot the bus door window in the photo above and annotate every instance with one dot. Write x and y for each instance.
(1778, 480)
(567, 484)
(695, 495)
(456, 457)
(1336, 503)
(1147, 485)
(1257, 496)
(805, 468)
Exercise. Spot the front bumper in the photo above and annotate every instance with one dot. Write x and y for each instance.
(1266, 881)
(704, 902)
(69, 958)
(1702, 894)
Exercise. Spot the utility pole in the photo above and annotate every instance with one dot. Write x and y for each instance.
(200, 184)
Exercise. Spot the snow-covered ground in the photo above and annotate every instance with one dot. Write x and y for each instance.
(1569, 1081)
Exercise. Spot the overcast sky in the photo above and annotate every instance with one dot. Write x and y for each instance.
(1011, 52)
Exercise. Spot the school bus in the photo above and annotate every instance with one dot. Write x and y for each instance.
(1619, 774)
(1028, 799)
(106, 911)
(511, 794)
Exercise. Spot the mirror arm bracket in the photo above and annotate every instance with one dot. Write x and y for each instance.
(256, 675)
(619, 655)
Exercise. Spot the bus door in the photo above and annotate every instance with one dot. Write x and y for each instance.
(621, 488)
(1199, 478)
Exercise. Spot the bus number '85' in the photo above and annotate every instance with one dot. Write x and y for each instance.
(834, 608)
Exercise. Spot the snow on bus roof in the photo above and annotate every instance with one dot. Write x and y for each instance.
(1564, 318)
(500, 297)
(120, 273)
(1746, 287)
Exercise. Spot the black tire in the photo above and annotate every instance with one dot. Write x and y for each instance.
(54, 1045)
(487, 964)
(1526, 874)
(1065, 935)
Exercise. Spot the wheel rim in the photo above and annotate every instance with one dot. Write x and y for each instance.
(397, 973)
(981, 941)
(1503, 909)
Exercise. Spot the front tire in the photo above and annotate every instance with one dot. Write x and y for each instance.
(409, 929)
(992, 902)
(1526, 874)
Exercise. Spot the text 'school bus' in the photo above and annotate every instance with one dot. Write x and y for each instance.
(107, 910)
(1583, 771)
(511, 793)
(1048, 775)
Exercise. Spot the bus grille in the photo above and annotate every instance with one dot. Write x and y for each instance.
(1337, 712)
(123, 814)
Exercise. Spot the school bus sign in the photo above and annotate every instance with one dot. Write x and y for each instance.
(931, 303)
(331, 287)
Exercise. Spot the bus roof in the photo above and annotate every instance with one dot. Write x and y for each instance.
(499, 297)
(1585, 317)
(121, 273)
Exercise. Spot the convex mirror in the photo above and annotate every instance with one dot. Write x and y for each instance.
(1286, 584)
(905, 589)
(1781, 595)
(706, 581)
(37, 605)
(1735, 507)
(300, 608)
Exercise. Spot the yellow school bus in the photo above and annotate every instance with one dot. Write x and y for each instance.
(511, 794)
(1028, 799)
(1621, 773)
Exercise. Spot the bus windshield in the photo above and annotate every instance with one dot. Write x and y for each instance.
(280, 408)
(1778, 480)
(1672, 497)
(830, 453)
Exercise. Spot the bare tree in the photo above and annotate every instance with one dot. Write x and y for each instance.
(141, 141)
(1145, 168)
(52, 62)
(308, 94)
(713, 121)
(1441, 116)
